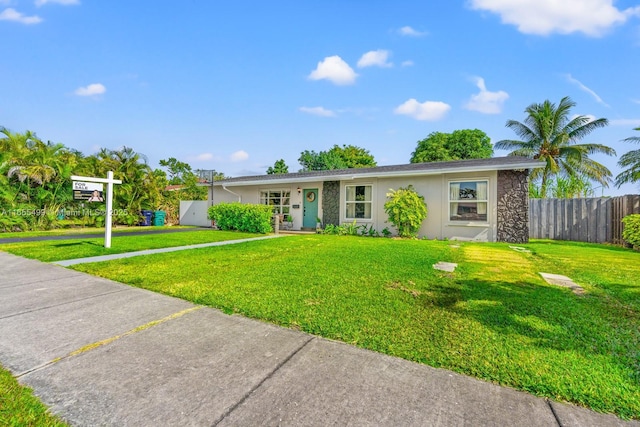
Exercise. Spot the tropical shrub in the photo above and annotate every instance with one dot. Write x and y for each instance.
(631, 232)
(242, 217)
(406, 210)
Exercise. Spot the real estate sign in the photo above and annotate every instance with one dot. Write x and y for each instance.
(88, 191)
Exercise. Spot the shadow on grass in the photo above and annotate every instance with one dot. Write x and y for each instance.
(70, 244)
(550, 318)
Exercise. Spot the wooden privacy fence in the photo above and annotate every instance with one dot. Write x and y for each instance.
(595, 220)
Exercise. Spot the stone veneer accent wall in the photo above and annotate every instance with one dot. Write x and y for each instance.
(513, 206)
(331, 202)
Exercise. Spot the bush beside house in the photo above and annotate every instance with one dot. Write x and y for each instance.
(242, 217)
(631, 233)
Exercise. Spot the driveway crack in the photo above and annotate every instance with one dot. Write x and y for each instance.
(257, 386)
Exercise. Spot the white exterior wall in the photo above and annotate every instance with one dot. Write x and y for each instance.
(434, 188)
(251, 194)
(194, 212)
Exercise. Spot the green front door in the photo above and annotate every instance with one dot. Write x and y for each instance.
(310, 205)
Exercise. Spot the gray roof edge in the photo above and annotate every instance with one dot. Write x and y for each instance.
(436, 168)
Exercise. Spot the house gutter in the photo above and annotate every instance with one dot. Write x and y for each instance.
(224, 187)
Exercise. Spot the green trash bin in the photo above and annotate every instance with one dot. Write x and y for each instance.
(159, 217)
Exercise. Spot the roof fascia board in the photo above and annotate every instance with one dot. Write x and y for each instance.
(390, 174)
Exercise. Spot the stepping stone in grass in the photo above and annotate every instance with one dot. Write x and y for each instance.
(564, 281)
(445, 266)
(520, 249)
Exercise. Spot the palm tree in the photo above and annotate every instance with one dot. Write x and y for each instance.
(630, 161)
(550, 134)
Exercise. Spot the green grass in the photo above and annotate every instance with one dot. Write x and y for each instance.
(494, 318)
(57, 250)
(84, 230)
(19, 407)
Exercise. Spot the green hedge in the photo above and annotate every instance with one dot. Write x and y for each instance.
(631, 233)
(242, 217)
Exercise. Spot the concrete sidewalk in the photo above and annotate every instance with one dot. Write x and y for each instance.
(103, 353)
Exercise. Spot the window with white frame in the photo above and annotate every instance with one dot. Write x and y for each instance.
(279, 200)
(468, 200)
(358, 201)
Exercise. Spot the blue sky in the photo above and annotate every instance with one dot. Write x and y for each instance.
(236, 85)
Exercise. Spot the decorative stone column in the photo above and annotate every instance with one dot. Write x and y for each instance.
(331, 202)
(513, 206)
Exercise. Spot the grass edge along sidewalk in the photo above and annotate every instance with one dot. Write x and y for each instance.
(102, 258)
(58, 250)
(20, 407)
(494, 318)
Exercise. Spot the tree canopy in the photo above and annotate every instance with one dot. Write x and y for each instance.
(551, 133)
(279, 167)
(630, 162)
(345, 157)
(36, 188)
(458, 145)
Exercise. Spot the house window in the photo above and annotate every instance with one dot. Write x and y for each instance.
(358, 201)
(468, 200)
(279, 200)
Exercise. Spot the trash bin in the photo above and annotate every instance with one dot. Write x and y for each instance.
(158, 218)
(146, 218)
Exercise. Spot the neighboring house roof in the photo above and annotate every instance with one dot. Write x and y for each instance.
(173, 187)
(411, 169)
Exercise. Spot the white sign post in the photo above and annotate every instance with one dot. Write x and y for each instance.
(109, 181)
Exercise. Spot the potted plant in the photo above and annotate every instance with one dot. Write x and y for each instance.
(318, 223)
(289, 220)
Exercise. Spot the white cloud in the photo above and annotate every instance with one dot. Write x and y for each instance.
(408, 31)
(62, 2)
(318, 111)
(429, 110)
(91, 90)
(10, 14)
(625, 122)
(239, 156)
(586, 89)
(375, 58)
(543, 17)
(485, 101)
(334, 69)
(408, 63)
(203, 157)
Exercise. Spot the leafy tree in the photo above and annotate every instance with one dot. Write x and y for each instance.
(178, 171)
(406, 210)
(354, 157)
(630, 161)
(324, 160)
(563, 188)
(550, 134)
(458, 145)
(279, 167)
(345, 157)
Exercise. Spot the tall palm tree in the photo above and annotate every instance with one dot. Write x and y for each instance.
(550, 134)
(630, 161)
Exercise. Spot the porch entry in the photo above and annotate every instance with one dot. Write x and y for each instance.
(310, 205)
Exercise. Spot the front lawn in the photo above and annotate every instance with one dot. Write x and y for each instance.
(494, 318)
(57, 250)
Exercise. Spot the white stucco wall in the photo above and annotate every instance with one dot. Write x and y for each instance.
(251, 194)
(194, 213)
(434, 188)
